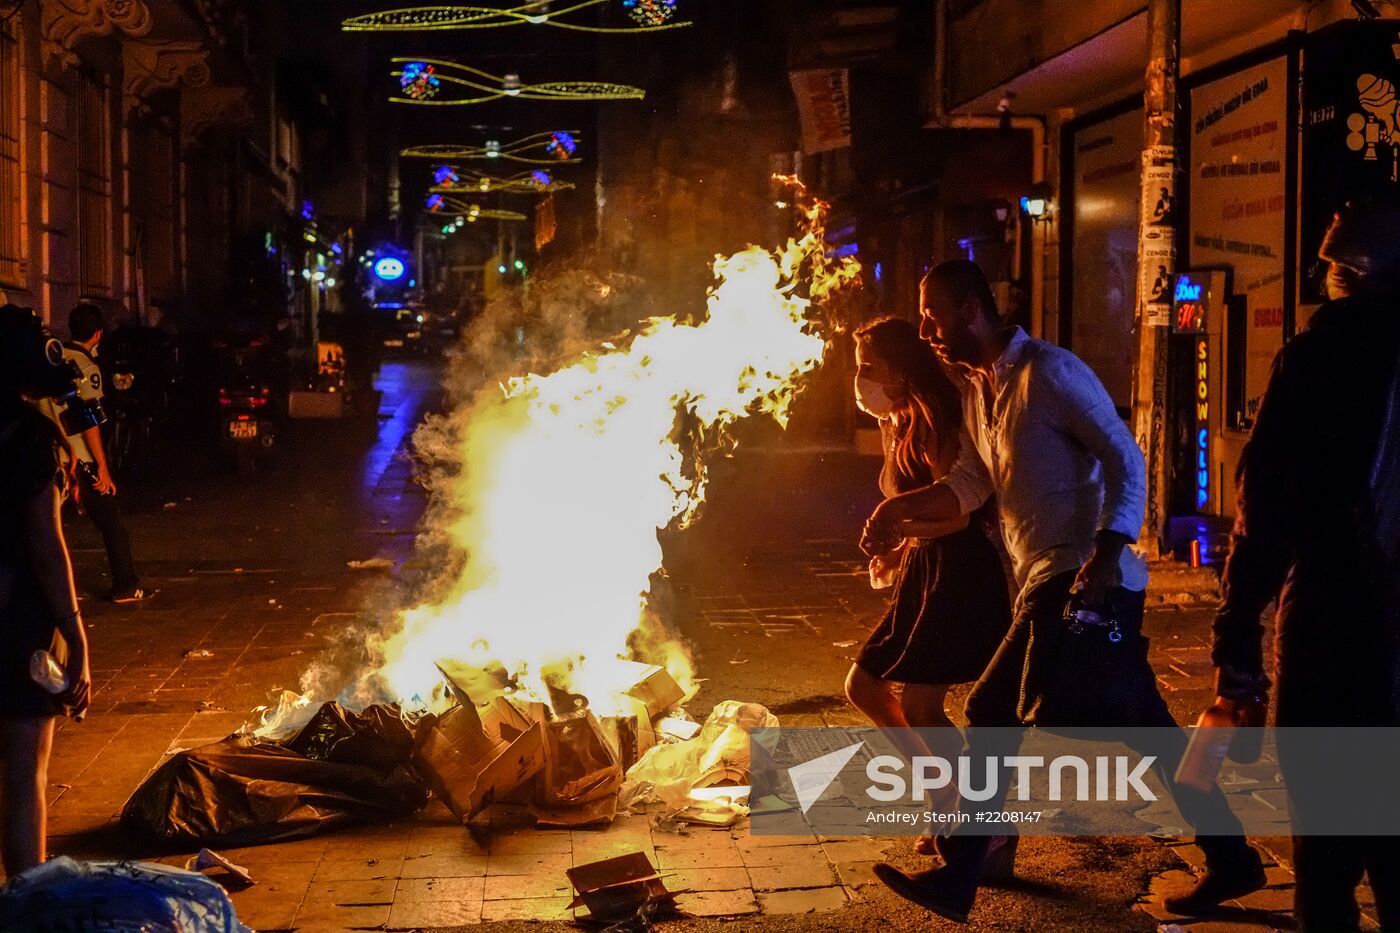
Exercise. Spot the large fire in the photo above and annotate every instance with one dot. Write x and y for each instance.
(566, 478)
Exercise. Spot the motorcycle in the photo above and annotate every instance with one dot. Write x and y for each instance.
(247, 424)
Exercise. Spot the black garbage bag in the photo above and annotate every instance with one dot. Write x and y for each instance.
(245, 791)
(375, 737)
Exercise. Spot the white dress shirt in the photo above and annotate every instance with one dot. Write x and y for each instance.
(1043, 435)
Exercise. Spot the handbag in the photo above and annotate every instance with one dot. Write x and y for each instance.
(1086, 667)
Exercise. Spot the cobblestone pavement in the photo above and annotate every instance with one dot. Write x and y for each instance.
(768, 590)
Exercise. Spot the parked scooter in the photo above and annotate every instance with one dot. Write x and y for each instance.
(247, 408)
(138, 365)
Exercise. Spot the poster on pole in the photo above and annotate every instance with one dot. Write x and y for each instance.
(824, 108)
(1238, 145)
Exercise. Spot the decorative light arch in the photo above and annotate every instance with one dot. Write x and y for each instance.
(469, 211)
(539, 149)
(415, 73)
(468, 181)
(646, 15)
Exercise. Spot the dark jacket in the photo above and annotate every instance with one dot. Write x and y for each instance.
(1300, 529)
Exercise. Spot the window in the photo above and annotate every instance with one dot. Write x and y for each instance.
(14, 253)
(94, 188)
(152, 177)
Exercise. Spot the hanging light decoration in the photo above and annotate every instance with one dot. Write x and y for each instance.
(435, 202)
(421, 80)
(646, 16)
(539, 149)
(561, 145)
(471, 212)
(650, 14)
(445, 176)
(532, 182)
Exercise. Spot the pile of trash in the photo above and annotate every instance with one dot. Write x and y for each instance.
(339, 768)
(569, 767)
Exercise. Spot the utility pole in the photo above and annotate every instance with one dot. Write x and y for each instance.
(1156, 258)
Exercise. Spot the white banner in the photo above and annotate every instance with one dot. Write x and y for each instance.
(1238, 140)
(824, 106)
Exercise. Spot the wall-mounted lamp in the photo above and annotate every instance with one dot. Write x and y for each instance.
(1036, 205)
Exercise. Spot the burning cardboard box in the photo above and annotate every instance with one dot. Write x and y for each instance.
(471, 768)
(655, 687)
(617, 888)
(581, 774)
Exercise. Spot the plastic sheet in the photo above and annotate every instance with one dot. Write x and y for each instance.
(718, 754)
(66, 896)
(243, 791)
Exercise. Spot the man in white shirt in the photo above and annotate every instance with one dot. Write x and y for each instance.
(1071, 486)
(97, 489)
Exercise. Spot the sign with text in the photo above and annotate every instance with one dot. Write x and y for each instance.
(824, 107)
(1238, 145)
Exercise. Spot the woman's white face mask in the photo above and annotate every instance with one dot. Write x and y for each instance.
(874, 398)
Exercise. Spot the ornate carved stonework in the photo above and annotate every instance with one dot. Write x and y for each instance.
(148, 67)
(205, 107)
(66, 22)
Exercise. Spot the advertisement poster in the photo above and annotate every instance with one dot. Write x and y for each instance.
(1238, 145)
(824, 107)
(1350, 74)
(1107, 163)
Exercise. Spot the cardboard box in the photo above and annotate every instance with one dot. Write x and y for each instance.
(473, 686)
(616, 888)
(631, 734)
(655, 687)
(466, 767)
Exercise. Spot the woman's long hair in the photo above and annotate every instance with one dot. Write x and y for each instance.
(928, 422)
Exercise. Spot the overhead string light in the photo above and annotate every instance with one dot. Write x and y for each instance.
(493, 87)
(646, 16)
(469, 212)
(556, 148)
(463, 180)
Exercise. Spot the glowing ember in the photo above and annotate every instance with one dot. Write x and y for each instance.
(565, 479)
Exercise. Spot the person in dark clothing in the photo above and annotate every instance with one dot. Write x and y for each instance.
(1302, 479)
(97, 490)
(38, 605)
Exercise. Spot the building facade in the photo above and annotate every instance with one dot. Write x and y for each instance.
(1286, 109)
(149, 164)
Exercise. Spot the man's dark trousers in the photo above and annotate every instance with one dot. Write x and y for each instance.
(993, 724)
(106, 515)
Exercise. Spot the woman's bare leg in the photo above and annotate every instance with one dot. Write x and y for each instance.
(26, 745)
(879, 701)
(923, 706)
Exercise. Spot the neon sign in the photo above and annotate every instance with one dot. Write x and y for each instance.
(1202, 451)
(1190, 305)
(389, 269)
(1186, 290)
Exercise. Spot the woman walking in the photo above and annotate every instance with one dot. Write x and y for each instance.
(950, 605)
